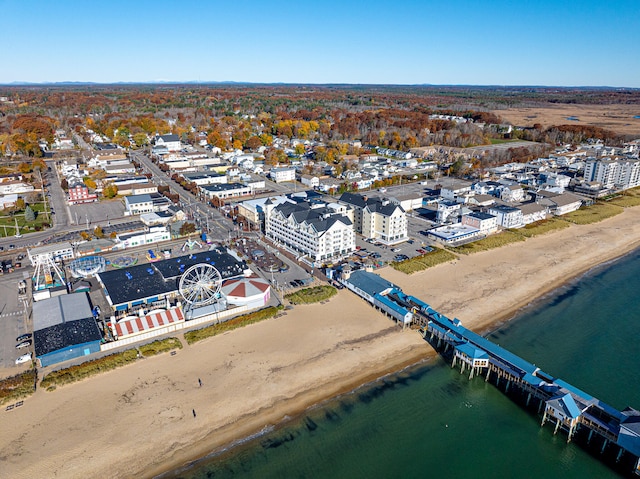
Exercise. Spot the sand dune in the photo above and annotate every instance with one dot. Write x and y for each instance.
(138, 421)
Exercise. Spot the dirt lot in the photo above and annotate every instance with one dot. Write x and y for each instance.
(618, 118)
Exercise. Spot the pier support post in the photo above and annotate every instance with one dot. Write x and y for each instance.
(555, 430)
(528, 399)
(604, 446)
(453, 363)
(590, 436)
(619, 456)
(471, 373)
(488, 373)
(506, 389)
(544, 418)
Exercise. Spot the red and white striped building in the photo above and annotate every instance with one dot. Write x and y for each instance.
(143, 324)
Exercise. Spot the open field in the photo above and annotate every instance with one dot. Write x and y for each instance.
(617, 118)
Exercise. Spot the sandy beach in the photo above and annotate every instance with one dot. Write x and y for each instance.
(153, 416)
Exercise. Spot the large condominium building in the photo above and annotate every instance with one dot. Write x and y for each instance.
(620, 174)
(377, 218)
(321, 232)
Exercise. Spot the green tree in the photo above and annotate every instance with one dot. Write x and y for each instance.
(29, 214)
(110, 191)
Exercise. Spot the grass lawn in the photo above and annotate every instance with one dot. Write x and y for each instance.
(419, 263)
(230, 325)
(17, 387)
(542, 227)
(490, 242)
(499, 141)
(160, 346)
(626, 199)
(311, 295)
(88, 369)
(8, 222)
(594, 213)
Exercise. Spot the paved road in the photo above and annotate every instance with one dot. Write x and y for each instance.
(208, 217)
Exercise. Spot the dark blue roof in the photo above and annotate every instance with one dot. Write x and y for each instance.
(370, 283)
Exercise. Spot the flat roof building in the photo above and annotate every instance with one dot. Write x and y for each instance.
(64, 328)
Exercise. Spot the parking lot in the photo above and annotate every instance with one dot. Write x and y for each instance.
(13, 321)
(97, 213)
(274, 266)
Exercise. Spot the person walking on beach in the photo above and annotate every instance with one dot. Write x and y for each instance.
(194, 412)
(200, 382)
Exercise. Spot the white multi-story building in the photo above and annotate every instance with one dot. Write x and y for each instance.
(508, 217)
(170, 142)
(483, 222)
(282, 174)
(377, 218)
(320, 232)
(620, 174)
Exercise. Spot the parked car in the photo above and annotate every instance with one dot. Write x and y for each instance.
(23, 344)
(23, 337)
(24, 358)
(395, 250)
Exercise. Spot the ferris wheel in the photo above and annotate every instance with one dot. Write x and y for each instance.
(200, 285)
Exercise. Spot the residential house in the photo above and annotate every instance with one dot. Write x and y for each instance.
(460, 192)
(561, 204)
(408, 202)
(448, 211)
(532, 212)
(511, 193)
(170, 142)
(310, 180)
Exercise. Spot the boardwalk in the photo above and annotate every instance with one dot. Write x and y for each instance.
(613, 434)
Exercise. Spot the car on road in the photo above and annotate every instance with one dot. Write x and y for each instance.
(23, 337)
(24, 358)
(23, 344)
(12, 246)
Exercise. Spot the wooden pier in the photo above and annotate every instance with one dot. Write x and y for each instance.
(606, 432)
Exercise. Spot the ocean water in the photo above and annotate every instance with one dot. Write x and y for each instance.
(429, 421)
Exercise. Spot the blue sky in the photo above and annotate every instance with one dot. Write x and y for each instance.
(477, 42)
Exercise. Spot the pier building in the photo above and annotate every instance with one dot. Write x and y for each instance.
(602, 429)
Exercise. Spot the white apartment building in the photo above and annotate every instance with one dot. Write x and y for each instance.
(620, 174)
(377, 218)
(320, 232)
(508, 217)
(483, 222)
(282, 174)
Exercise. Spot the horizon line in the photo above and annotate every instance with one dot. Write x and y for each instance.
(234, 82)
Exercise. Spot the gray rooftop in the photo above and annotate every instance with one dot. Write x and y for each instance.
(59, 310)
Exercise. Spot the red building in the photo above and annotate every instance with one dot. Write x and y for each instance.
(79, 193)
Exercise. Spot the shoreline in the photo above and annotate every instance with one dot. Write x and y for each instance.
(139, 417)
(486, 329)
(344, 389)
